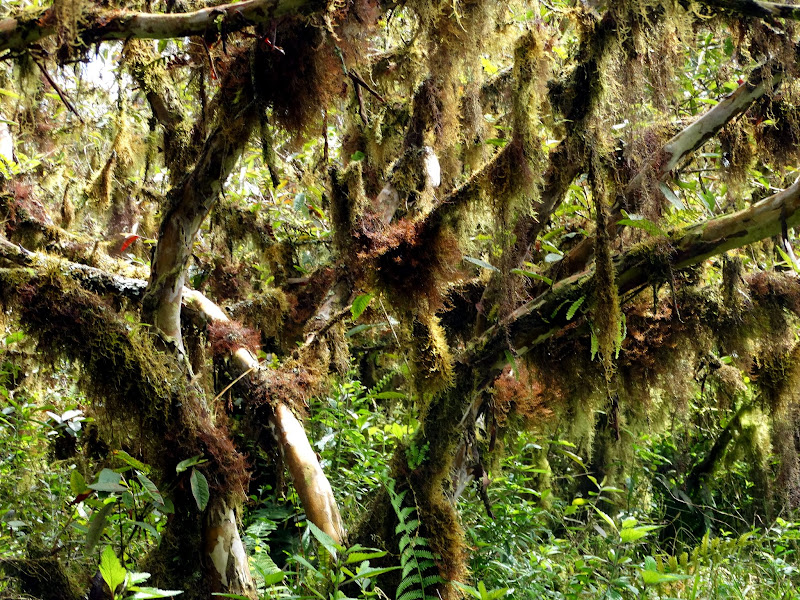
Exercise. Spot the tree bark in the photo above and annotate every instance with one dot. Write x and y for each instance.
(191, 202)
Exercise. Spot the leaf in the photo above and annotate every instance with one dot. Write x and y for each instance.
(189, 462)
(670, 195)
(111, 569)
(481, 263)
(77, 484)
(632, 534)
(639, 222)
(574, 307)
(144, 593)
(149, 529)
(323, 538)
(200, 491)
(128, 241)
(97, 524)
(605, 517)
(150, 488)
(498, 142)
(532, 275)
(360, 305)
(130, 461)
(552, 257)
(108, 481)
(357, 155)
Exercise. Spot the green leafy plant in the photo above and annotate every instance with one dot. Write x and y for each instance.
(416, 558)
(123, 584)
(339, 567)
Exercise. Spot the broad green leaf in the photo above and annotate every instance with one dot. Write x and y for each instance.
(634, 533)
(150, 488)
(323, 538)
(605, 517)
(360, 305)
(97, 524)
(481, 263)
(189, 462)
(200, 491)
(77, 483)
(111, 569)
(108, 481)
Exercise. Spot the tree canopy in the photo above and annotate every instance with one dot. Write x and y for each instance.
(408, 254)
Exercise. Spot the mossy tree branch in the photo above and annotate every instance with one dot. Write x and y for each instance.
(310, 482)
(193, 198)
(662, 163)
(18, 33)
(755, 8)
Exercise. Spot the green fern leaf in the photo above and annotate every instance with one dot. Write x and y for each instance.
(412, 595)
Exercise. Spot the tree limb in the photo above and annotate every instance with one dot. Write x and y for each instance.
(18, 33)
(192, 200)
(310, 482)
(662, 163)
(756, 8)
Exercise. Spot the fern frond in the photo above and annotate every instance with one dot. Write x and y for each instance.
(412, 595)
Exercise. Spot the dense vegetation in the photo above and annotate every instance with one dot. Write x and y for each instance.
(361, 299)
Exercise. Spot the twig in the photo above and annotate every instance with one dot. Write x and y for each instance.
(61, 94)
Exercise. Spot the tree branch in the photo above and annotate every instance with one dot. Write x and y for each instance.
(309, 480)
(17, 33)
(661, 164)
(755, 8)
(536, 321)
(191, 202)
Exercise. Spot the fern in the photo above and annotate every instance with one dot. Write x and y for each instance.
(416, 557)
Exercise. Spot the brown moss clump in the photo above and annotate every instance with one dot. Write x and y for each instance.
(300, 80)
(228, 336)
(517, 391)
(412, 260)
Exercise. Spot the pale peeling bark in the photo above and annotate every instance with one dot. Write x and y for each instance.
(313, 488)
(191, 202)
(226, 552)
(16, 34)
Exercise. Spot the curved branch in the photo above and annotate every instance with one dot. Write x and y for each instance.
(18, 33)
(191, 201)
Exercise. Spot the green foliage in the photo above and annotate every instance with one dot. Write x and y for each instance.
(339, 567)
(123, 584)
(416, 559)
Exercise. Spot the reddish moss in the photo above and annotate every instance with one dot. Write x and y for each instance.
(228, 336)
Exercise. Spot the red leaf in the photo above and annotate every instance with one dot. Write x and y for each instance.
(128, 241)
